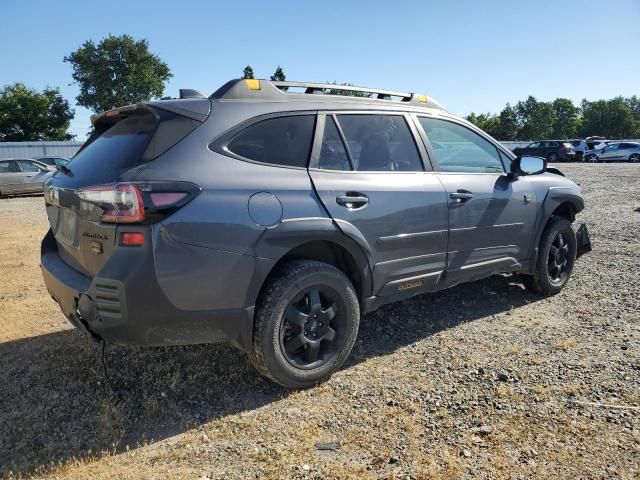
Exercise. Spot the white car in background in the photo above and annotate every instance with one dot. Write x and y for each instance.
(22, 175)
(615, 152)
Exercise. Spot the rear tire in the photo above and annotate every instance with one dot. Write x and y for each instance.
(306, 323)
(592, 159)
(553, 157)
(556, 257)
(634, 158)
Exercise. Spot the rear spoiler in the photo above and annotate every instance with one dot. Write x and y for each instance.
(194, 107)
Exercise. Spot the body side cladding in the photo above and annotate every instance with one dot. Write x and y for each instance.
(554, 198)
(276, 243)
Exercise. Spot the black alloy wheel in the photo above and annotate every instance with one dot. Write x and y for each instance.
(308, 334)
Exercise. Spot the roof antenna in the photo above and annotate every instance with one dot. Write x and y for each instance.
(190, 93)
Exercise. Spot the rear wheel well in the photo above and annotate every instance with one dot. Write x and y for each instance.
(327, 252)
(565, 210)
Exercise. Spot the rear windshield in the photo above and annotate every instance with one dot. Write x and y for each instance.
(135, 140)
(117, 149)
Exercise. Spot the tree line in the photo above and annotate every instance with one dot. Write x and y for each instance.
(560, 119)
(120, 70)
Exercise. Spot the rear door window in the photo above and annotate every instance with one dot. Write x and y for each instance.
(284, 141)
(333, 155)
(378, 143)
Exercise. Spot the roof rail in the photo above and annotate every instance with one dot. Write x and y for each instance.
(254, 89)
(312, 87)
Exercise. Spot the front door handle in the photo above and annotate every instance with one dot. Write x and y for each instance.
(352, 200)
(461, 196)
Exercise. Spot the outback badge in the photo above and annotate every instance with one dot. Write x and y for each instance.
(408, 285)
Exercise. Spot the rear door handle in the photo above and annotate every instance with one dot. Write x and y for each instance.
(461, 196)
(352, 200)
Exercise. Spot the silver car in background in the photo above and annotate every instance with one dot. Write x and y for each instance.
(616, 152)
(20, 176)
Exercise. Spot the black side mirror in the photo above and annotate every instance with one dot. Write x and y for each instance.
(525, 165)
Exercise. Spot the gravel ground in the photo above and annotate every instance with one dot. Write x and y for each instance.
(485, 380)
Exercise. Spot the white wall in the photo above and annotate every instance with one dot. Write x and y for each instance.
(38, 149)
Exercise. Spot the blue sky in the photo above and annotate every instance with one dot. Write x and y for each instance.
(470, 55)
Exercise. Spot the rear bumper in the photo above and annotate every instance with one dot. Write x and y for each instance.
(127, 306)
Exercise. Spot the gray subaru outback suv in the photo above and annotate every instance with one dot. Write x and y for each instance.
(273, 215)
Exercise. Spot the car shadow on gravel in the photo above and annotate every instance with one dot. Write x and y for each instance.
(55, 404)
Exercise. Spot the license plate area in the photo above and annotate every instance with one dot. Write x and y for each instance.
(67, 226)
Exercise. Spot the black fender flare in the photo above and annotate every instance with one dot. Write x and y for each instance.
(275, 243)
(555, 197)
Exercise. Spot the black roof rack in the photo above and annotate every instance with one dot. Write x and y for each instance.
(254, 89)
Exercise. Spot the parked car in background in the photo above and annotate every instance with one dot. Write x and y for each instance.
(616, 152)
(22, 175)
(552, 150)
(581, 147)
(53, 161)
(596, 143)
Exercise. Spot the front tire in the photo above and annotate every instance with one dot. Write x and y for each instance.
(556, 257)
(592, 159)
(306, 323)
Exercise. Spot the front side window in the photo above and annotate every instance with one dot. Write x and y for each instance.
(459, 149)
(380, 143)
(534, 145)
(282, 141)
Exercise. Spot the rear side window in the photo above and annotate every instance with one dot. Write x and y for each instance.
(282, 141)
(380, 143)
(459, 149)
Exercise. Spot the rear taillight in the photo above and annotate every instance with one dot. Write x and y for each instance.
(138, 202)
(566, 147)
(121, 203)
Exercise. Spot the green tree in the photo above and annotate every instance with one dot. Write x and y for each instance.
(488, 122)
(535, 119)
(117, 71)
(508, 128)
(609, 118)
(247, 72)
(567, 119)
(633, 103)
(279, 75)
(26, 114)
